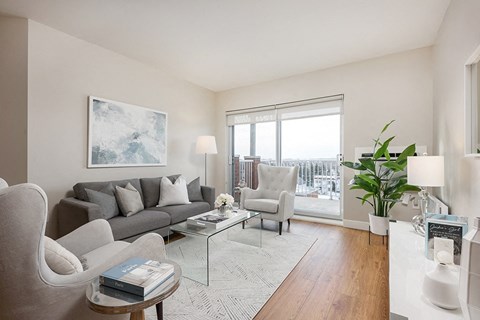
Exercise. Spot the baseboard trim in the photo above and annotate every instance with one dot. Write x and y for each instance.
(353, 224)
(318, 220)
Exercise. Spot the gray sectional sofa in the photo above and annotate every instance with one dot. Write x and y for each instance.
(78, 210)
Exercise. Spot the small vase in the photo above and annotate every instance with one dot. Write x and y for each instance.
(440, 285)
(378, 225)
(222, 210)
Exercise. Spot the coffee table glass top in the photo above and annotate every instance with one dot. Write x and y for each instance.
(183, 227)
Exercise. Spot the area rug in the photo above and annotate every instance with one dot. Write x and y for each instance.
(242, 277)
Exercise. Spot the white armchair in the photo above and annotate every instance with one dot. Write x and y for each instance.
(29, 288)
(275, 194)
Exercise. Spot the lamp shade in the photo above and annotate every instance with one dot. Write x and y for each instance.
(426, 171)
(206, 145)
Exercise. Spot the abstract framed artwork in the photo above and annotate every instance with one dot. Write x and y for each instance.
(125, 135)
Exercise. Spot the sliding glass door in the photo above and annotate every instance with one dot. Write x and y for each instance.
(305, 134)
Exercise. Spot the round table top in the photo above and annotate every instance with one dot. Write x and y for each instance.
(107, 300)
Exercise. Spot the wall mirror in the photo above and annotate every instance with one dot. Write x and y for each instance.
(472, 106)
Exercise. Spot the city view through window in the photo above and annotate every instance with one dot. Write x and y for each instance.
(312, 143)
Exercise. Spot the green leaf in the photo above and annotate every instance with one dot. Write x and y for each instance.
(354, 165)
(408, 152)
(408, 187)
(386, 126)
(368, 163)
(367, 179)
(384, 148)
(363, 202)
(366, 196)
(392, 166)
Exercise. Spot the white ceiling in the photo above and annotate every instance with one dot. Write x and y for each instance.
(223, 44)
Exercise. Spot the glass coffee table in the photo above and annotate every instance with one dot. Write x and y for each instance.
(193, 253)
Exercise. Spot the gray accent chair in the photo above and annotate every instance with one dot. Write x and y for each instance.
(29, 289)
(275, 194)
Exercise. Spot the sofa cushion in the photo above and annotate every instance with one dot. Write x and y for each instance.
(144, 221)
(104, 253)
(180, 213)
(151, 189)
(173, 193)
(194, 190)
(108, 203)
(263, 205)
(129, 200)
(81, 194)
(59, 259)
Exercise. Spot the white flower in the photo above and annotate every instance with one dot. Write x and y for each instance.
(224, 199)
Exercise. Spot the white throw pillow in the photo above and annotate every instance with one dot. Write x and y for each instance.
(59, 259)
(173, 193)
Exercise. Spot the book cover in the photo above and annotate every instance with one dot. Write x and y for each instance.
(213, 218)
(137, 275)
(130, 297)
(445, 227)
(215, 221)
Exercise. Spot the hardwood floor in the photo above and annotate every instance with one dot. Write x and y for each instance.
(340, 277)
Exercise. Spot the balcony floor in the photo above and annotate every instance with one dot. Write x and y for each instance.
(322, 207)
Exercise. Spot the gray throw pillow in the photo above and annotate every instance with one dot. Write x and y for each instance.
(194, 190)
(107, 203)
(129, 200)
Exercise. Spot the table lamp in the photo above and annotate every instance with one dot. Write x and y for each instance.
(206, 145)
(424, 171)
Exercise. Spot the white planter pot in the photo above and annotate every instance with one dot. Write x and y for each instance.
(378, 225)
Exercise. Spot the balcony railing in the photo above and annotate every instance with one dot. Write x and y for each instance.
(316, 177)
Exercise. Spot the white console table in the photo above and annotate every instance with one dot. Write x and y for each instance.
(408, 266)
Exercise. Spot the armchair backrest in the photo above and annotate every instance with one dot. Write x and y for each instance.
(273, 180)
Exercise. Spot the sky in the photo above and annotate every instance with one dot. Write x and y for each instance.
(308, 138)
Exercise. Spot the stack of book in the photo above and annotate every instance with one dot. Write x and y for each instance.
(213, 220)
(137, 275)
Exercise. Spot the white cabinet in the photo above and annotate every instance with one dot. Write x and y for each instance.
(408, 266)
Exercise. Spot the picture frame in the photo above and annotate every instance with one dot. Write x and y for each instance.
(125, 135)
(445, 227)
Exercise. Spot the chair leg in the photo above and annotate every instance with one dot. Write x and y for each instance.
(261, 223)
(280, 224)
(288, 220)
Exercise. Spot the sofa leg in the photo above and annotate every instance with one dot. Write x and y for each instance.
(280, 224)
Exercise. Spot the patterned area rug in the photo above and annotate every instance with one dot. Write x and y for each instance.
(242, 277)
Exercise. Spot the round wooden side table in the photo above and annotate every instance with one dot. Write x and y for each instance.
(106, 300)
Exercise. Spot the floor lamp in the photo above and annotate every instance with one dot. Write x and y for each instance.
(424, 172)
(206, 145)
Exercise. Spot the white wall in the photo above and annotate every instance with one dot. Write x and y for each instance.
(63, 71)
(13, 99)
(458, 37)
(396, 87)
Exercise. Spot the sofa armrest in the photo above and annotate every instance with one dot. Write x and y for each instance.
(88, 237)
(208, 194)
(73, 213)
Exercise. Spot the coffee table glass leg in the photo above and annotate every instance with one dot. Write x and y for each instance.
(159, 308)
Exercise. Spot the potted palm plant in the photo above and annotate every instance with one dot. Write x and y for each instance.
(383, 179)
